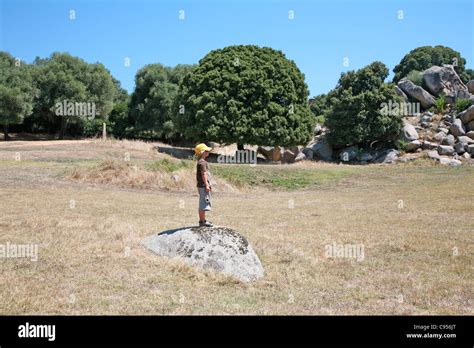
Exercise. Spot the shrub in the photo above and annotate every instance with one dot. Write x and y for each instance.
(169, 166)
(355, 117)
(415, 77)
(93, 127)
(422, 58)
(320, 119)
(440, 104)
(401, 144)
(462, 104)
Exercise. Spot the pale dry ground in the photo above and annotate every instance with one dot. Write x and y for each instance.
(418, 258)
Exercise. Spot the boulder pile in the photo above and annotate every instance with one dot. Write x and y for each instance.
(446, 137)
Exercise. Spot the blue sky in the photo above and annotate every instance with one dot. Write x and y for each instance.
(318, 38)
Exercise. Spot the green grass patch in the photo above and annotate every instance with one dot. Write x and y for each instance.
(168, 165)
(279, 177)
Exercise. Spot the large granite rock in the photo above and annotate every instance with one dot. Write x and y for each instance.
(467, 115)
(457, 128)
(470, 86)
(416, 92)
(401, 94)
(387, 156)
(322, 149)
(219, 248)
(445, 150)
(412, 146)
(270, 153)
(408, 132)
(444, 80)
(288, 156)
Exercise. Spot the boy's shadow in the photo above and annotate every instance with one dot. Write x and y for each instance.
(168, 232)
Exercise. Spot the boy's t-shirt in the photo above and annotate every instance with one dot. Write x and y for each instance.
(201, 167)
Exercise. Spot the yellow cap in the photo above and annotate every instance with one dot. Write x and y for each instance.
(200, 148)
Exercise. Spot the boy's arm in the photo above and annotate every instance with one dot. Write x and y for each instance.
(204, 179)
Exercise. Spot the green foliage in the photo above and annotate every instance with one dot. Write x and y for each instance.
(355, 116)
(319, 105)
(169, 166)
(468, 75)
(440, 105)
(401, 144)
(16, 90)
(245, 95)
(120, 95)
(151, 102)
(275, 177)
(93, 127)
(63, 77)
(119, 120)
(462, 104)
(415, 77)
(321, 119)
(424, 57)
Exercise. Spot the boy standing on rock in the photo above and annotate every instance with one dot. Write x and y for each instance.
(203, 182)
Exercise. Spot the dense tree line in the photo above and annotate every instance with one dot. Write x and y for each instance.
(238, 94)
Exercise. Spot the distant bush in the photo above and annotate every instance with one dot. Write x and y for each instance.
(462, 104)
(422, 58)
(440, 105)
(320, 119)
(415, 77)
(401, 144)
(169, 166)
(119, 120)
(356, 117)
(93, 128)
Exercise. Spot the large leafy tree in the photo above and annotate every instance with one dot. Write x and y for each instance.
(319, 106)
(156, 87)
(245, 94)
(356, 116)
(63, 77)
(16, 91)
(424, 57)
(120, 121)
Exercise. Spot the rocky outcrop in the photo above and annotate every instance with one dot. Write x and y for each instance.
(450, 140)
(408, 132)
(416, 92)
(449, 161)
(457, 128)
(289, 156)
(443, 80)
(467, 115)
(412, 146)
(445, 150)
(218, 248)
(348, 154)
(387, 156)
(470, 86)
(401, 93)
(270, 153)
(322, 149)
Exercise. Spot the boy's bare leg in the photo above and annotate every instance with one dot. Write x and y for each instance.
(202, 215)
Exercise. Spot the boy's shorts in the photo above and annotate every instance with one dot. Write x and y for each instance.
(204, 199)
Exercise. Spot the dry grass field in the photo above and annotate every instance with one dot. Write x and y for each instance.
(89, 204)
